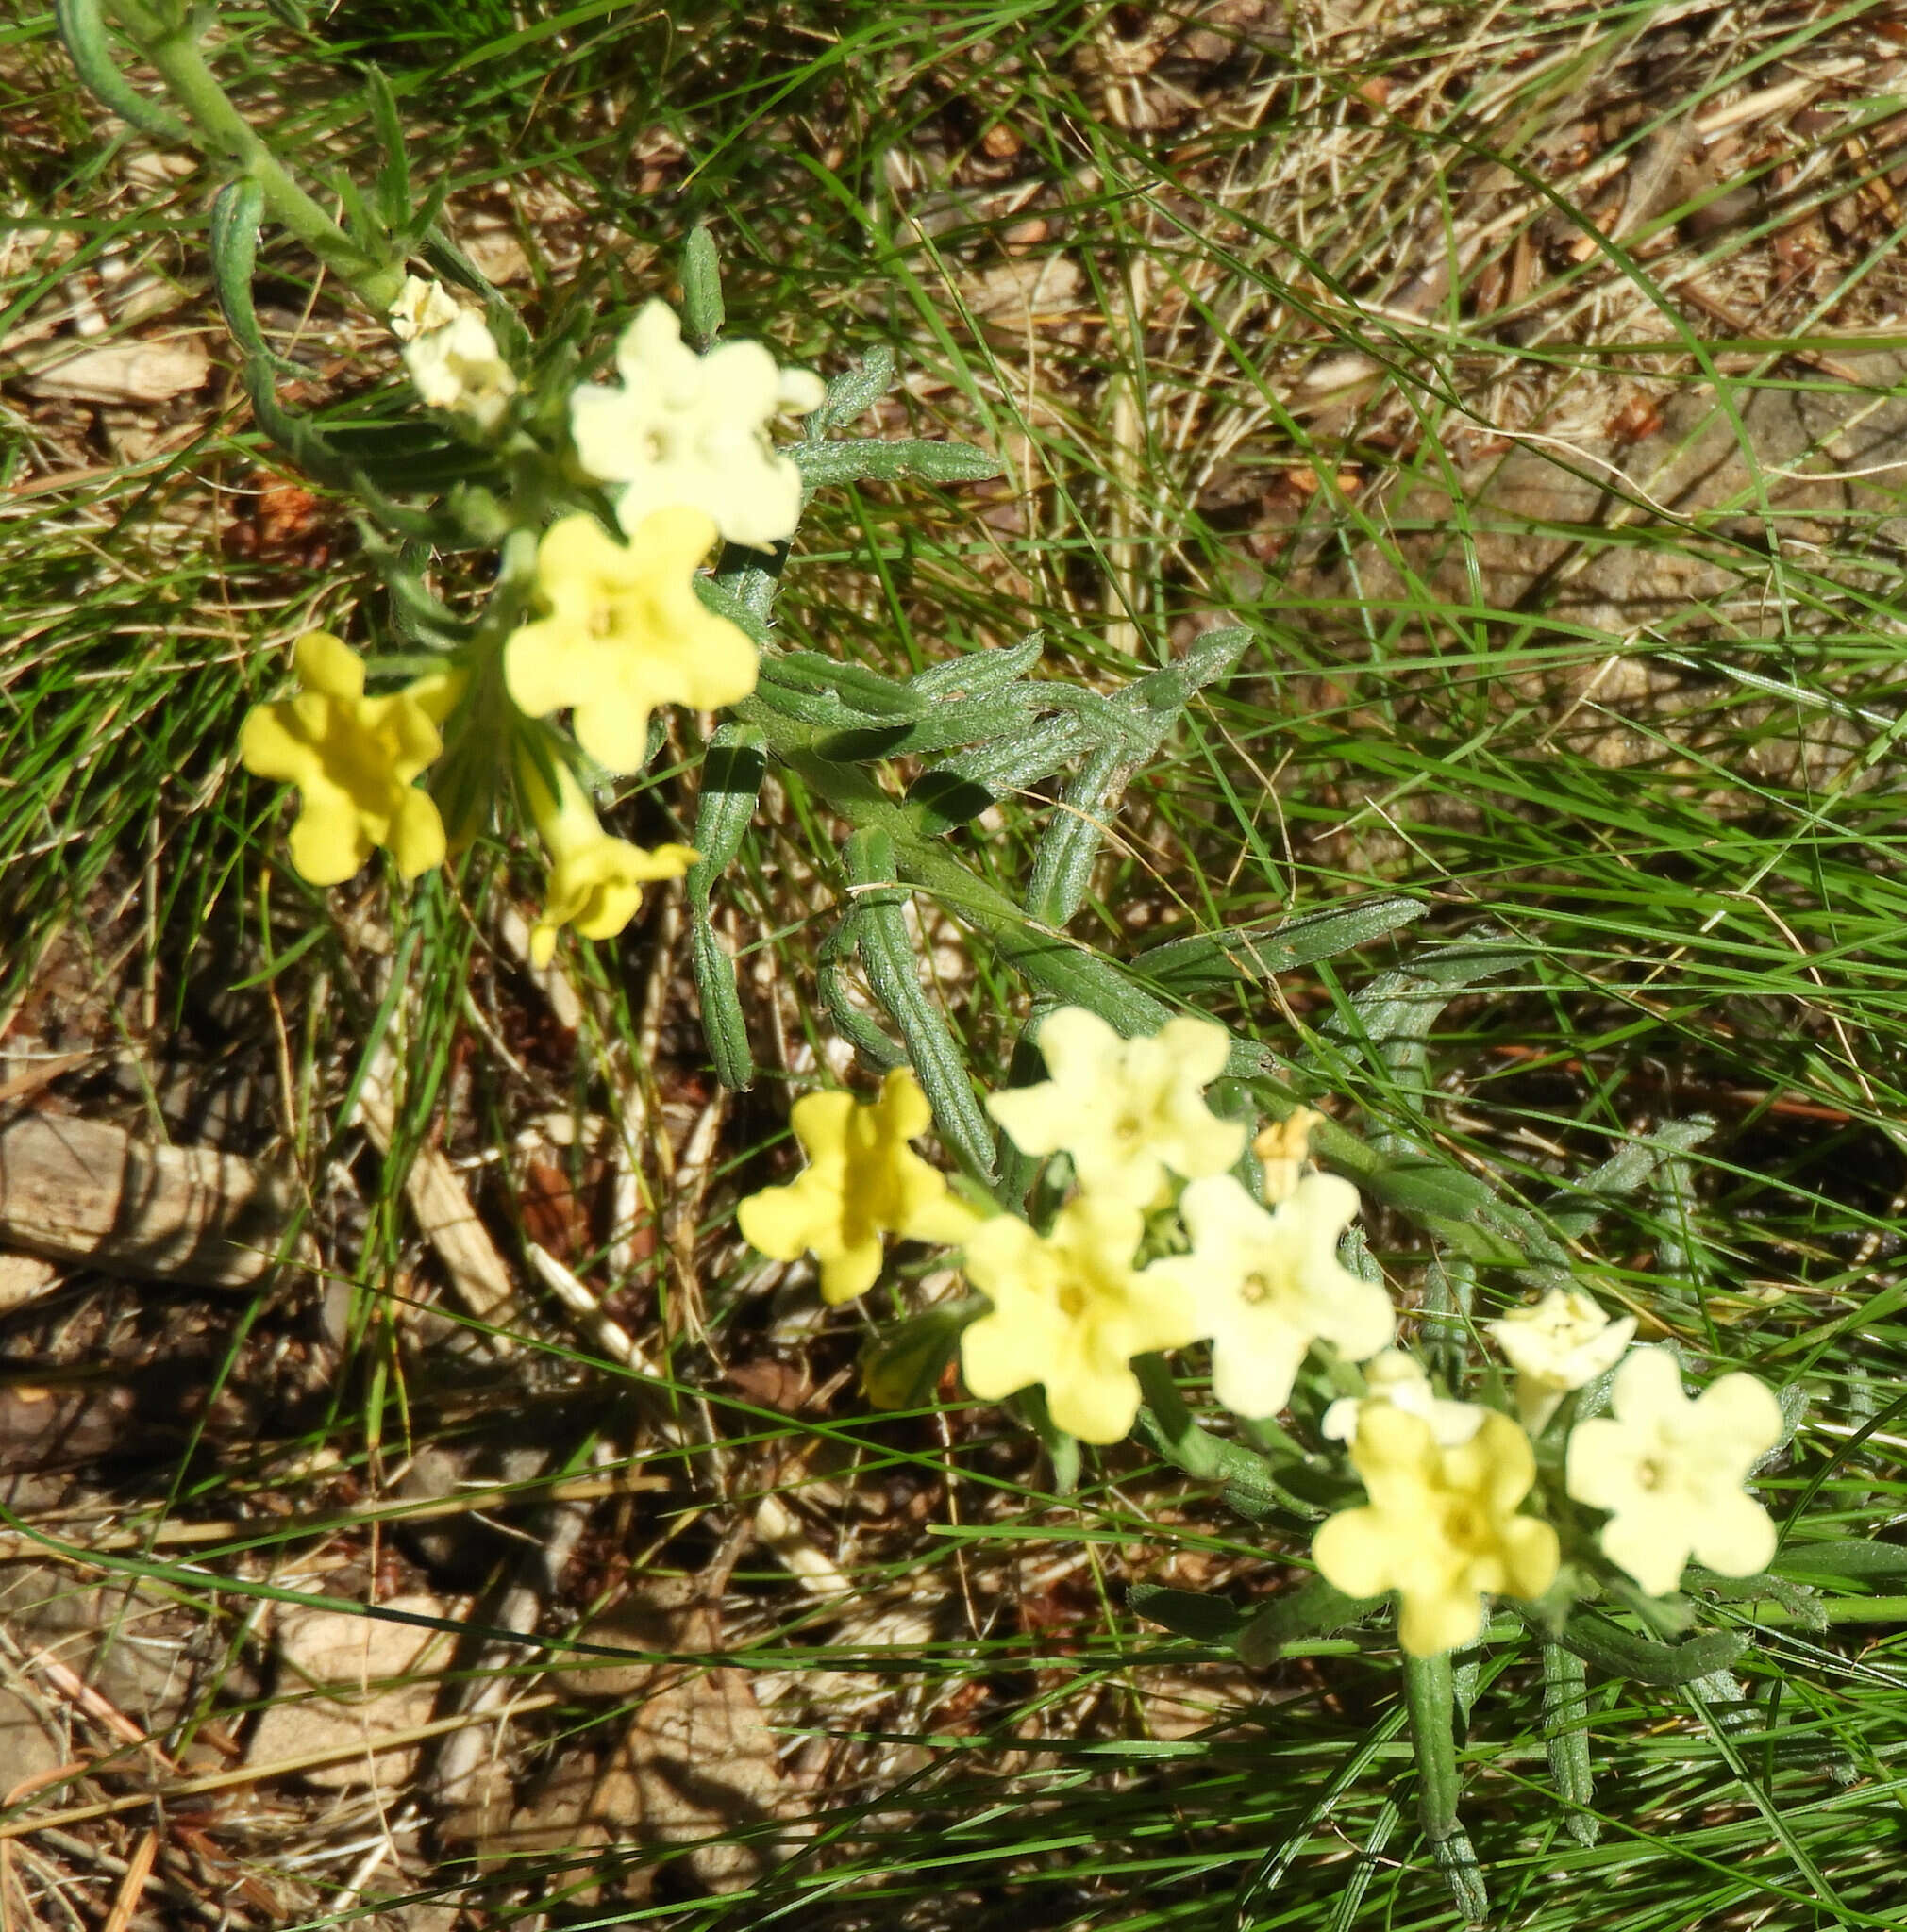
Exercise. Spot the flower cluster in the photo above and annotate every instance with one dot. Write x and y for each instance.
(604, 624)
(1157, 1244)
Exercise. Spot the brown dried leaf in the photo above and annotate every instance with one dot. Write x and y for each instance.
(133, 371)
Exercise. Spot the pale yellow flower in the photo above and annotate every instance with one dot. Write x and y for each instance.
(457, 365)
(1670, 1472)
(595, 880)
(1440, 1527)
(420, 306)
(862, 1181)
(625, 632)
(352, 759)
(692, 429)
(1266, 1286)
(1070, 1311)
(1125, 1109)
(1397, 1381)
(1562, 1343)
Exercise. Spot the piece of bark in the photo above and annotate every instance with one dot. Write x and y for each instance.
(79, 1190)
(446, 1215)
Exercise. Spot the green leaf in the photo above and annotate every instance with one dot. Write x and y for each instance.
(703, 312)
(853, 393)
(1202, 963)
(1840, 1558)
(979, 673)
(1566, 1740)
(866, 691)
(871, 459)
(732, 770)
(893, 971)
(901, 1367)
(393, 177)
(1578, 1208)
(83, 28)
(959, 721)
(1622, 1654)
(1316, 1609)
(1186, 1612)
(1063, 866)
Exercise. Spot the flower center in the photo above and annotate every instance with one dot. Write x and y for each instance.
(1254, 1288)
(1072, 1299)
(1649, 1474)
(655, 446)
(1130, 1130)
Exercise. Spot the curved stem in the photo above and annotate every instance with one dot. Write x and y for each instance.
(170, 47)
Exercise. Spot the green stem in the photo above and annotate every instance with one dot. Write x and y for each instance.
(171, 50)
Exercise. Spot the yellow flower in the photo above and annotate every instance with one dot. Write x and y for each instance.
(456, 364)
(693, 429)
(595, 880)
(1670, 1472)
(1268, 1285)
(1071, 1311)
(862, 1180)
(352, 759)
(1397, 1381)
(1562, 1343)
(1125, 1109)
(1440, 1527)
(625, 632)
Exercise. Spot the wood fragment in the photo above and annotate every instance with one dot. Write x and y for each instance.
(132, 1886)
(76, 1190)
(445, 1216)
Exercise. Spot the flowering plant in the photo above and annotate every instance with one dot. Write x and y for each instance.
(1165, 1189)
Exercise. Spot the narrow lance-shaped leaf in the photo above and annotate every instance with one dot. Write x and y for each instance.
(1063, 867)
(850, 1021)
(1430, 1695)
(870, 459)
(1566, 1740)
(979, 673)
(852, 393)
(893, 976)
(733, 771)
(393, 173)
(1207, 962)
(83, 27)
(866, 691)
(703, 312)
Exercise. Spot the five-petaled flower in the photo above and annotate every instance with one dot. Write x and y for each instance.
(453, 363)
(1070, 1311)
(1556, 1344)
(1125, 1109)
(595, 880)
(692, 429)
(1441, 1529)
(1670, 1472)
(862, 1181)
(352, 759)
(625, 632)
(1268, 1285)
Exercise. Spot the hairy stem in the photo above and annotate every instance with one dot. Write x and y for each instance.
(218, 127)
